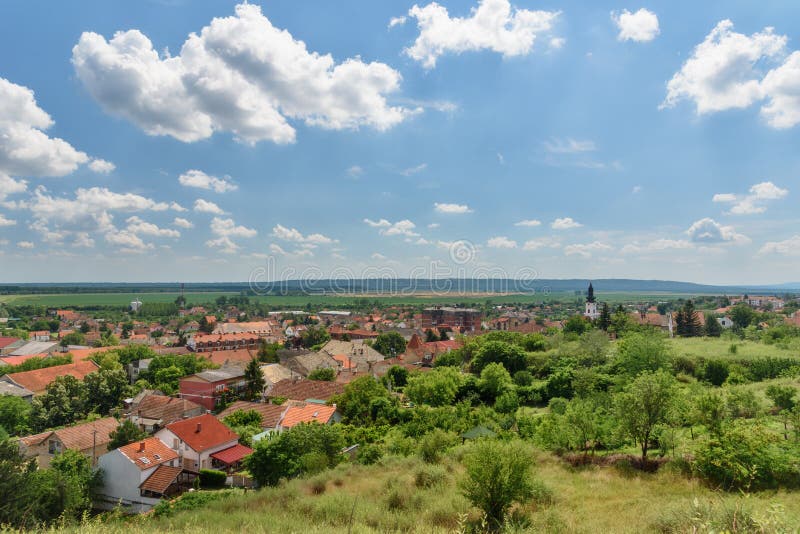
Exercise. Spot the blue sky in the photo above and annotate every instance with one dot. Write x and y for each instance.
(647, 140)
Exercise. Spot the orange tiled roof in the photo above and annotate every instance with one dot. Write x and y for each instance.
(202, 432)
(148, 453)
(233, 454)
(166, 409)
(306, 389)
(79, 437)
(307, 413)
(161, 479)
(16, 360)
(221, 357)
(38, 379)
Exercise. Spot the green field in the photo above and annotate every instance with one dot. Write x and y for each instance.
(719, 348)
(344, 300)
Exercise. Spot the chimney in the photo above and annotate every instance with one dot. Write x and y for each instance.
(199, 428)
(141, 446)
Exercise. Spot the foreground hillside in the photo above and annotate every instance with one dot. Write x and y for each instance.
(406, 495)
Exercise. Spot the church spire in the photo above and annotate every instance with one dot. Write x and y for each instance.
(590, 293)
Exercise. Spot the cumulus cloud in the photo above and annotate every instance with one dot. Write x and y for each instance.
(239, 74)
(754, 202)
(501, 242)
(25, 244)
(657, 245)
(26, 150)
(355, 171)
(410, 171)
(725, 71)
(101, 166)
(709, 231)
(201, 180)
(180, 222)
(378, 256)
(396, 21)
(206, 206)
(444, 207)
(641, 26)
(294, 235)
(6, 222)
(543, 242)
(404, 227)
(492, 25)
(138, 226)
(127, 241)
(586, 250)
(788, 247)
(226, 227)
(528, 222)
(9, 186)
(565, 223)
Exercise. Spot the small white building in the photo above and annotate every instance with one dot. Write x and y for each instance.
(196, 439)
(136, 305)
(137, 476)
(725, 322)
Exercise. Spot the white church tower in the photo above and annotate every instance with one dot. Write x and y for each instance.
(591, 306)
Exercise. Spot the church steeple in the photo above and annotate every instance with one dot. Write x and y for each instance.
(591, 306)
(590, 294)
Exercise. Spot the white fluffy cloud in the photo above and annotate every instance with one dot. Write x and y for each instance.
(26, 150)
(501, 242)
(492, 25)
(201, 180)
(657, 245)
(725, 71)
(709, 231)
(542, 242)
(569, 146)
(180, 222)
(101, 166)
(789, 247)
(25, 244)
(9, 186)
(754, 202)
(586, 250)
(6, 222)
(404, 227)
(206, 206)
(640, 26)
(528, 222)
(295, 236)
(444, 207)
(138, 226)
(565, 223)
(239, 74)
(226, 227)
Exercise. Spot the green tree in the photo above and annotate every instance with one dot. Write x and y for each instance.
(438, 387)
(782, 396)
(243, 418)
(105, 389)
(396, 377)
(254, 379)
(326, 374)
(643, 405)
(314, 336)
(76, 472)
(63, 402)
(124, 434)
(512, 357)
(712, 327)
(577, 324)
(637, 353)
(604, 321)
(497, 476)
(716, 372)
(268, 352)
(301, 449)
(742, 315)
(390, 344)
(15, 415)
(495, 380)
(710, 411)
(355, 404)
(73, 338)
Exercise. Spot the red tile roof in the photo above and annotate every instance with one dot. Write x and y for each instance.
(148, 453)
(306, 389)
(222, 357)
(38, 379)
(202, 432)
(79, 437)
(6, 341)
(166, 409)
(16, 360)
(233, 454)
(308, 413)
(161, 479)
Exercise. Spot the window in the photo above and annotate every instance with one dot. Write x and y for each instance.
(54, 446)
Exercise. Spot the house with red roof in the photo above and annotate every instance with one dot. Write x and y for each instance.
(207, 387)
(197, 439)
(38, 379)
(89, 438)
(137, 476)
(309, 412)
(8, 344)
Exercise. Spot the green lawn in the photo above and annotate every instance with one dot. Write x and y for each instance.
(717, 348)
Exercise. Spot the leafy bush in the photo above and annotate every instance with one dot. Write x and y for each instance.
(434, 444)
(369, 454)
(325, 374)
(212, 479)
(716, 372)
(188, 501)
(429, 475)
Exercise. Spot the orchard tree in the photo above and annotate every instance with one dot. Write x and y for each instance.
(644, 405)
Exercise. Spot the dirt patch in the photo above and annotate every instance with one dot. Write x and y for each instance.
(610, 460)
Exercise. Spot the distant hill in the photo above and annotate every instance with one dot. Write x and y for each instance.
(404, 285)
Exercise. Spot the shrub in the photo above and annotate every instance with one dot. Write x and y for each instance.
(324, 374)
(188, 501)
(369, 454)
(212, 479)
(433, 444)
(716, 372)
(558, 405)
(318, 484)
(429, 476)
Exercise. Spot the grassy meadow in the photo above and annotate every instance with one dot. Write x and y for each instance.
(406, 495)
